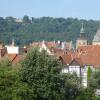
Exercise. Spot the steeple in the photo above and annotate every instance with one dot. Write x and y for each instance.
(82, 32)
(82, 29)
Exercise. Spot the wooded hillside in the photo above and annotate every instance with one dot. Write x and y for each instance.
(44, 28)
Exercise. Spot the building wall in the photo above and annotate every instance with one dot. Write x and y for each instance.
(75, 69)
(80, 71)
(65, 70)
(12, 49)
(80, 42)
(84, 76)
(96, 43)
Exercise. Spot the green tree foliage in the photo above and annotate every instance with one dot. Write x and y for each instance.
(89, 75)
(44, 28)
(7, 80)
(94, 84)
(95, 80)
(11, 88)
(85, 94)
(42, 73)
(39, 77)
(72, 86)
(26, 19)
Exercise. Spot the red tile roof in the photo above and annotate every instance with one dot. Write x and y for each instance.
(66, 59)
(50, 44)
(85, 55)
(90, 55)
(79, 61)
(57, 51)
(14, 58)
(36, 44)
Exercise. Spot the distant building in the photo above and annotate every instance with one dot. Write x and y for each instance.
(81, 41)
(12, 49)
(96, 40)
(13, 53)
(85, 57)
(74, 65)
(18, 20)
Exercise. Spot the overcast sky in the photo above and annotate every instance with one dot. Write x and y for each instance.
(84, 9)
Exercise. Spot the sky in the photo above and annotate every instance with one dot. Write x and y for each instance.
(82, 9)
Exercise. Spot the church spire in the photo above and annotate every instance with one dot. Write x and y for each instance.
(82, 29)
(82, 32)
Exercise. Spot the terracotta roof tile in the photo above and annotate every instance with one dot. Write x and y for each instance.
(90, 55)
(14, 58)
(57, 51)
(36, 44)
(66, 59)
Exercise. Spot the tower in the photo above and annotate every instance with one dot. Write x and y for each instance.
(81, 41)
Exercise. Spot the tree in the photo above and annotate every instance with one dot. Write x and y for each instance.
(42, 73)
(89, 92)
(45, 28)
(37, 77)
(72, 86)
(85, 94)
(94, 84)
(89, 75)
(26, 18)
(7, 80)
(95, 80)
(10, 19)
(11, 88)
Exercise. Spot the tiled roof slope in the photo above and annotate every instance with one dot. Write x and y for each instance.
(90, 55)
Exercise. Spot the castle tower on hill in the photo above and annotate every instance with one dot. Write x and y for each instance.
(81, 41)
(96, 40)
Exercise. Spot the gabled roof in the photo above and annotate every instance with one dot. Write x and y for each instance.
(78, 61)
(66, 59)
(97, 36)
(86, 55)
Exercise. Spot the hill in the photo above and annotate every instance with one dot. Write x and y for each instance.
(45, 28)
